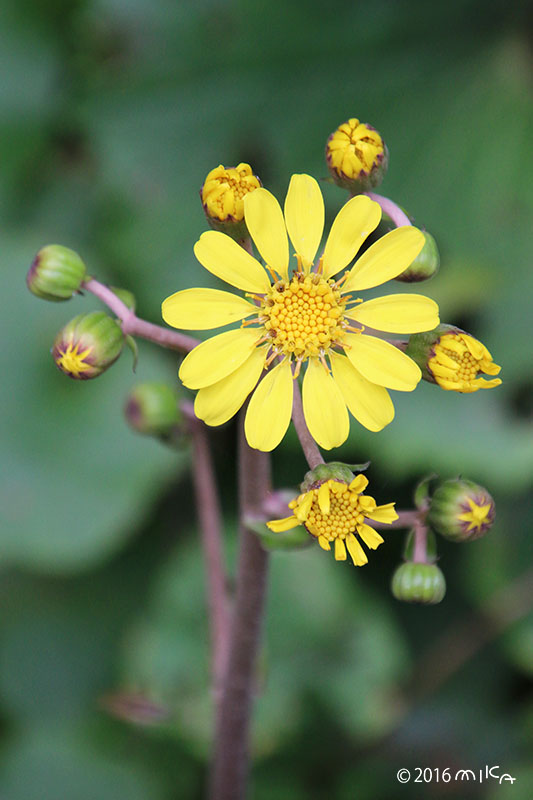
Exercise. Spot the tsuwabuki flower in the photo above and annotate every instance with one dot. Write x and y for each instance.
(357, 156)
(334, 511)
(309, 317)
(454, 360)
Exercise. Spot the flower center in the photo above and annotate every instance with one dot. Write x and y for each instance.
(345, 514)
(304, 316)
(71, 361)
(467, 366)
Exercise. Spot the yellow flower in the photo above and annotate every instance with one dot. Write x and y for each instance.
(224, 190)
(334, 511)
(356, 152)
(71, 361)
(307, 317)
(457, 361)
(478, 517)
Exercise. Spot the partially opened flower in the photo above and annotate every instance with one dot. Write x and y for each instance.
(335, 511)
(305, 318)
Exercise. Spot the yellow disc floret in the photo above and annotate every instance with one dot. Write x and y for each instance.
(457, 361)
(335, 511)
(224, 190)
(304, 316)
(354, 149)
(71, 361)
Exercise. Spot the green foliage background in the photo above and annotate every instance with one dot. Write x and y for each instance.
(111, 114)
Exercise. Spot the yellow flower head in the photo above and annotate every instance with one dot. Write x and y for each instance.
(457, 360)
(224, 190)
(479, 517)
(70, 360)
(356, 152)
(310, 317)
(336, 511)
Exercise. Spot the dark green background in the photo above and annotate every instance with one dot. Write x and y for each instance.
(111, 114)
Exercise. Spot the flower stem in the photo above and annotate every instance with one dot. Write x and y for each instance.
(135, 326)
(231, 752)
(396, 214)
(208, 509)
(309, 446)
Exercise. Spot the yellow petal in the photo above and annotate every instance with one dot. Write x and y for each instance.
(398, 313)
(323, 542)
(200, 309)
(304, 504)
(384, 513)
(359, 483)
(356, 551)
(350, 228)
(285, 524)
(340, 550)
(269, 410)
(369, 536)
(385, 259)
(304, 215)
(265, 223)
(323, 498)
(382, 363)
(369, 403)
(217, 357)
(324, 408)
(222, 256)
(218, 403)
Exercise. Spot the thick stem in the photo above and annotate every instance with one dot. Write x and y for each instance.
(309, 446)
(230, 767)
(396, 214)
(134, 326)
(208, 509)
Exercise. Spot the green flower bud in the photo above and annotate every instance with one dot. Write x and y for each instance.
(357, 156)
(418, 583)
(56, 273)
(461, 510)
(453, 359)
(88, 345)
(425, 265)
(127, 297)
(335, 470)
(153, 409)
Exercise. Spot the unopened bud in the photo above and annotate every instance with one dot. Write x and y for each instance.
(461, 510)
(425, 265)
(88, 345)
(56, 273)
(223, 196)
(453, 359)
(357, 156)
(414, 582)
(153, 409)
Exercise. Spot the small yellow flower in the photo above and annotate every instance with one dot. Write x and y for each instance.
(335, 511)
(224, 190)
(307, 317)
(71, 361)
(457, 361)
(479, 517)
(356, 152)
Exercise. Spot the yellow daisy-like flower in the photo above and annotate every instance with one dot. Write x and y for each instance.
(334, 511)
(457, 361)
(308, 317)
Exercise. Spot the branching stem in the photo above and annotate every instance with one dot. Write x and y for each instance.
(135, 326)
